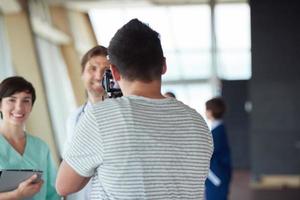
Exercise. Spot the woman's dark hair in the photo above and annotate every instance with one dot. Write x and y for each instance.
(95, 51)
(216, 106)
(15, 84)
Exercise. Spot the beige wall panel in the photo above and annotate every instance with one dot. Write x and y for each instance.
(74, 70)
(82, 31)
(72, 58)
(24, 60)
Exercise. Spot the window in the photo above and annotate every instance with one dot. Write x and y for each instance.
(233, 41)
(6, 68)
(60, 97)
(194, 95)
(58, 88)
(186, 36)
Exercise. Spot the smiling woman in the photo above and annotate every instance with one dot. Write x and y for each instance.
(18, 148)
(16, 108)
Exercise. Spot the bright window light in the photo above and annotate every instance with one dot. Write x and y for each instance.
(194, 95)
(233, 41)
(186, 45)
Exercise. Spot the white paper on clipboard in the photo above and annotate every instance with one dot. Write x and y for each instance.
(10, 179)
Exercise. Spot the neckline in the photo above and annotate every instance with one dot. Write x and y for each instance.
(159, 100)
(13, 149)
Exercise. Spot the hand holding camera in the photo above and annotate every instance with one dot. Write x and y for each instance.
(110, 86)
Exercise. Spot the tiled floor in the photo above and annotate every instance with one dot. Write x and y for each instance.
(240, 190)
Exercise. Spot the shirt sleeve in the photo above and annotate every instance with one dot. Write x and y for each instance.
(85, 152)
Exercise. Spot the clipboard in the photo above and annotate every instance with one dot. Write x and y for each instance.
(11, 178)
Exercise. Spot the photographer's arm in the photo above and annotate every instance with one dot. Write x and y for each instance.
(68, 180)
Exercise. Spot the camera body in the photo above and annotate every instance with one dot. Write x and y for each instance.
(110, 86)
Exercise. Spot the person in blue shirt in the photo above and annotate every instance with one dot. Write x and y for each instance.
(19, 149)
(218, 182)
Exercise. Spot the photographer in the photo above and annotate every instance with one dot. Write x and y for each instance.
(142, 145)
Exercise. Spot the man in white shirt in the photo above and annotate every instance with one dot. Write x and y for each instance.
(93, 63)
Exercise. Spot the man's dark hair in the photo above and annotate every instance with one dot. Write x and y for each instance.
(136, 51)
(15, 84)
(95, 51)
(216, 106)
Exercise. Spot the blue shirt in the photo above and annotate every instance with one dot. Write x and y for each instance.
(220, 164)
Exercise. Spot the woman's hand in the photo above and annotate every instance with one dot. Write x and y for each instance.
(29, 187)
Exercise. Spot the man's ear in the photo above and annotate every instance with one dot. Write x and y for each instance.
(115, 72)
(164, 69)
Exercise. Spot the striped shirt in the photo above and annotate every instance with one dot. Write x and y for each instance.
(142, 148)
(73, 119)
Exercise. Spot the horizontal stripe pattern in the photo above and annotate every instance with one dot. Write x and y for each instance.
(142, 148)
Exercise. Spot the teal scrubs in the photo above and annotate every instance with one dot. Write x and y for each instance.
(36, 156)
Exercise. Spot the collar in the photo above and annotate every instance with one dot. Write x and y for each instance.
(216, 123)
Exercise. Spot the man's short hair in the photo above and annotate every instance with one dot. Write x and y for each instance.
(95, 51)
(136, 51)
(216, 106)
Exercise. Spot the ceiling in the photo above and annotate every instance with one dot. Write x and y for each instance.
(10, 6)
(85, 5)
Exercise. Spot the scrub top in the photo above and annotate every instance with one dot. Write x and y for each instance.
(36, 156)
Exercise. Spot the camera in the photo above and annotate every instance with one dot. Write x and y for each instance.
(110, 86)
